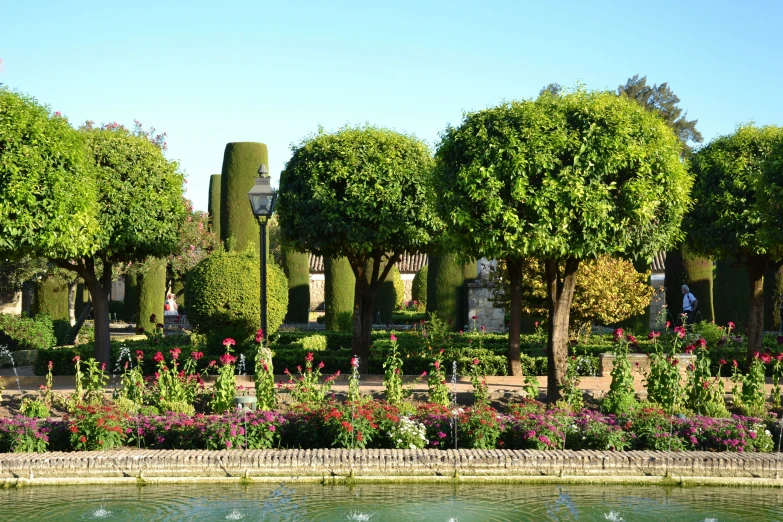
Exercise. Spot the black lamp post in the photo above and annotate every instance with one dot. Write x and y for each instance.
(262, 201)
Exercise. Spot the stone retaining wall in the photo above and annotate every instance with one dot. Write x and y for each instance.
(415, 465)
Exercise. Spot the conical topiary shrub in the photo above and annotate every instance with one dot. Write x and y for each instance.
(296, 266)
(213, 207)
(152, 294)
(51, 298)
(238, 226)
(445, 289)
(339, 287)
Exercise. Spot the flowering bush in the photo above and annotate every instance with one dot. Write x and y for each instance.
(243, 430)
(225, 384)
(96, 427)
(436, 381)
(23, 435)
(534, 430)
(705, 394)
(264, 375)
(663, 380)
(620, 397)
(393, 374)
(595, 431)
(751, 395)
(479, 382)
(306, 387)
(408, 434)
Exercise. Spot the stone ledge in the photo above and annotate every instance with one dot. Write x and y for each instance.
(389, 465)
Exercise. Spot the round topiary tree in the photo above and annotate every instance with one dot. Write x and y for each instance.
(213, 208)
(51, 298)
(223, 294)
(419, 286)
(152, 293)
(238, 226)
(339, 284)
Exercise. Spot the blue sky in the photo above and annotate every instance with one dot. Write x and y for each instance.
(208, 74)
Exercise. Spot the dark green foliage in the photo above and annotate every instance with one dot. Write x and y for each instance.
(389, 298)
(23, 333)
(152, 294)
(62, 331)
(238, 226)
(213, 207)
(296, 266)
(773, 296)
(223, 294)
(419, 286)
(661, 100)
(445, 289)
(51, 298)
(732, 299)
(339, 283)
(683, 267)
(131, 297)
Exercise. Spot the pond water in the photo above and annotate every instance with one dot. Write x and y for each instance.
(398, 503)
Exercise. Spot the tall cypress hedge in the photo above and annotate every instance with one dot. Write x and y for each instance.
(131, 298)
(241, 160)
(419, 286)
(732, 298)
(339, 286)
(51, 298)
(213, 207)
(686, 268)
(445, 289)
(152, 293)
(296, 266)
(390, 296)
(773, 295)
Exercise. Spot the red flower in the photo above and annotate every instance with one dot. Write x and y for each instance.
(139, 355)
(355, 362)
(73, 428)
(474, 317)
(309, 357)
(82, 439)
(702, 342)
(228, 341)
(227, 359)
(722, 362)
(212, 363)
(734, 362)
(321, 364)
(732, 325)
(158, 357)
(653, 335)
(197, 355)
(51, 366)
(103, 367)
(77, 358)
(475, 361)
(175, 353)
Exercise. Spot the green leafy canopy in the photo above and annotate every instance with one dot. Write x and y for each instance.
(357, 191)
(572, 175)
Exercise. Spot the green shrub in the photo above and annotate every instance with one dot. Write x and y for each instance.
(419, 286)
(390, 296)
(23, 333)
(213, 207)
(131, 300)
(152, 293)
(445, 287)
(314, 343)
(223, 293)
(62, 331)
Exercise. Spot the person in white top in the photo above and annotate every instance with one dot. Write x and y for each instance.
(170, 307)
(689, 304)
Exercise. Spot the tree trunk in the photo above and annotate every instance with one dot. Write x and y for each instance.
(560, 294)
(72, 303)
(79, 322)
(756, 266)
(362, 322)
(515, 323)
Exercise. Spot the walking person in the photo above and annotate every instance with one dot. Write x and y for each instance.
(689, 304)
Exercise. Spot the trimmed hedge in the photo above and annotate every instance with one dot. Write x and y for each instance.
(213, 206)
(238, 227)
(390, 296)
(223, 295)
(24, 333)
(51, 298)
(419, 286)
(685, 268)
(152, 294)
(296, 266)
(732, 295)
(445, 289)
(339, 285)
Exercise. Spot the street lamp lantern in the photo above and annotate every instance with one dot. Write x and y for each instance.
(262, 201)
(262, 196)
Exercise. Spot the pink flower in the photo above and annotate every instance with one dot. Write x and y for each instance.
(77, 358)
(158, 357)
(702, 342)
(175, 353)
(424, 373)
(227, 359)
(482, 327)
(321, 364)
(103, 367)
(653, 335)
(228, 341)
(722, 362)
(212, 363)
(436, 364)
(732, 325)
(393, 337)
(355, 362)
(309, 357)
(139, 355)
(475, 361)
(197, 355)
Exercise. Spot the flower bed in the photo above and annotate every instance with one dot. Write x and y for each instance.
(376, 424)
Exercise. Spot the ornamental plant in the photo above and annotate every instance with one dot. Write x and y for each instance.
(264, 375)
(393, 374)
(593, 430)
(306, 387)
(224, 390)
(621, 398)
(705, 395)
(777, 369)
(751, 396)
(571, 394)
(94, 381)
(243, 430)
(133, 388)
(95, 428)
(479, 382)
(436, 381)
(408, 434)
(177, 388)
(354, 394)
(480, 427)
(663, 380)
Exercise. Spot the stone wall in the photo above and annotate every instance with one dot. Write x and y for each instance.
(480, 306)
(513, 465)
(316, 291)
(11, 303)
